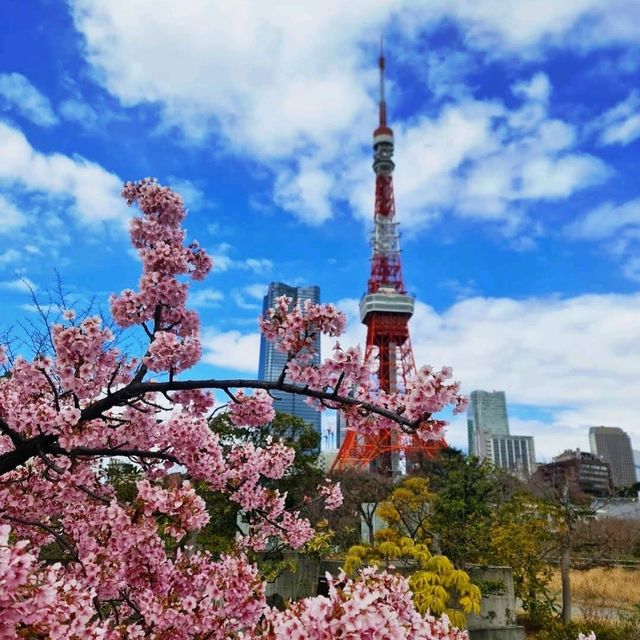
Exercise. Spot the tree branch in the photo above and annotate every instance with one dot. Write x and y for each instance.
(59, 537)
(26, 449)
(136, 389)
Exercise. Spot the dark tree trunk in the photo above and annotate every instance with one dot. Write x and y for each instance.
(565, 567)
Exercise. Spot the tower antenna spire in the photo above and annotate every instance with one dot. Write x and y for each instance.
(383, 102)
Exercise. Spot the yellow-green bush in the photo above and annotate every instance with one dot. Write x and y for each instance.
(436, 584)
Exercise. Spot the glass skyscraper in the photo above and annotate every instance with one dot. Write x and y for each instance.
(272, 361)
(487, 413)
(613, 445)
(489, 437)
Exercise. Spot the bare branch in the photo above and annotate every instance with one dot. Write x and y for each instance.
(112, 452)
(59, 537)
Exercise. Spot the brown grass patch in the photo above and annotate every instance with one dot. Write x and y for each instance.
(602, 593)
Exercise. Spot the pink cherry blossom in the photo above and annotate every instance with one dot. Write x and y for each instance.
(331, 494)
(373, 606)
(255, 410)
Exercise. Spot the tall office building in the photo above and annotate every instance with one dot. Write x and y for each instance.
(513, 453)
(613, 445)
(272, 361)
(489, 437)
(487, 414)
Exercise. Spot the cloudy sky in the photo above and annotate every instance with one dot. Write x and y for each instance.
(517, 145)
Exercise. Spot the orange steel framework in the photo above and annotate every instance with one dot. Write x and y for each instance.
(385, 310)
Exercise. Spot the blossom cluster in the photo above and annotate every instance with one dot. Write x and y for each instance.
(331, 494)
(375, 605)
(187, 510)
(252, 410)
(159, 240)
(40, 600)
(294, 331)
(347, 372)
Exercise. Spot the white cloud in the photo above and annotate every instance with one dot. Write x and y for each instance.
(243, 303)
(30, 308)
(281, 84)
(256, 291)
(205, 297)
(576, 358)
(607, 220)
(250, 297)
(93, 192)
(621, 124)
(528, 27)
(222, 261)
(480, 160)
(631, 268)
(232, 350)
(272, 82)
(18, 93)
(75, 110)
(22, 284)
(550, 440)
(306, 192)
(551, 178)
(618, 226)
(446, 72)
(11, 218)
(9, 256)
(537, 88)
(192, 195)
(257, 265)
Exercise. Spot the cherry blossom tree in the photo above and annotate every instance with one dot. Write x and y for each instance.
(127, 569)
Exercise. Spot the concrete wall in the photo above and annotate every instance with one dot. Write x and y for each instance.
(302, 583)
(496, 620)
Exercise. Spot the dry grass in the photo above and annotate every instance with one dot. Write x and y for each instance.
(602, 593)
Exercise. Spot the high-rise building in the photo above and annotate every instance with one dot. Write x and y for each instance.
(513, 453)
(489, 437)
(486, 415)
(272, 361)
(581, 472)
(613, 445)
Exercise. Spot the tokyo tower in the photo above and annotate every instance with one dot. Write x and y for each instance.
(385, 309)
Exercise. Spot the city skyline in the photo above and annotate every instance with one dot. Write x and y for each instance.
(517, 137)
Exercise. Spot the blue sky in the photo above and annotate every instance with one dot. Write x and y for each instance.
(517, 144)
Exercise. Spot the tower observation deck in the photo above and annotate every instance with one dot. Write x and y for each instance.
(385, 309)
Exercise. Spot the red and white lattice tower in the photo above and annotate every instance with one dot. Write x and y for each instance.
(385, 309)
